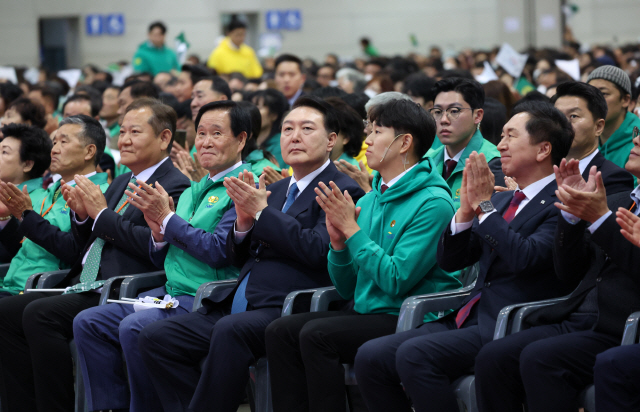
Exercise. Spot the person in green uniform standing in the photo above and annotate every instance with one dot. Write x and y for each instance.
(153, 56)
(458, 112)
(25, 154)
(188, 242)
(77, 146)
(616, 140)
(273, 105)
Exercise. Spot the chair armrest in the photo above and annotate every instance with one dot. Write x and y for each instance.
(630, 335)
(504, 316)
(415, 307)
(49, 280)
(287, 307)
(206, 289)
(4, 268)
(132, 285)
(323, 297)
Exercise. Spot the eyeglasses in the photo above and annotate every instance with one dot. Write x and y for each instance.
(636, 132)
(452, 112)
(366, 123)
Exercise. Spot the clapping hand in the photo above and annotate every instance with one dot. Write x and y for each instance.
(248, 199)
(630, 225)
(341, 213)
(16, 201)
(360, 175)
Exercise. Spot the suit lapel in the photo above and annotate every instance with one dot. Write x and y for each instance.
(308, 194)
(278, 194)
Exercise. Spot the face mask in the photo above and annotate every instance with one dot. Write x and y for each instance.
(536, 73)
(368, 77)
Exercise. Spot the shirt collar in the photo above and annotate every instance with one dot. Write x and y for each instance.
(395, 179)
(583, 163)
(305, 181)
(635, 195)
(225, 172)
(147, 173)
(295, 97)
(534, 188)
(455, 158)
(73, 182)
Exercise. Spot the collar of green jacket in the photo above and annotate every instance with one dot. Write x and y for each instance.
(477, 143)
(32, 184)
(622, 136)
(422, 175)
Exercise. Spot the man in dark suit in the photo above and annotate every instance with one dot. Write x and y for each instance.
(586, 109)
(36, 327)
(552, 363)
(280, 241)
(512, 239)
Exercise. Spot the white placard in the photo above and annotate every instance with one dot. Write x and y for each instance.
(487, 75)
(571, 67)
(510, 60)
(8, 73)
(72, 76)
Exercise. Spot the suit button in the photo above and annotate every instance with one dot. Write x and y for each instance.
(487, 237)
(599, 279)
(487, 284)
(257, 259)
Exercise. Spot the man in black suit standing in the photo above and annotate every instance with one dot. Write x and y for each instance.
(586, 109)
(36, 327)
(511, 236)
(553, 362)
(280, 241)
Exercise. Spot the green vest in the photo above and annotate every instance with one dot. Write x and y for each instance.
(32, 185)
(202, 205)
(258, 162)
(32, 258)
(478, 144)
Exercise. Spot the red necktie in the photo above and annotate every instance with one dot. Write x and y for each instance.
(518, 197)
(449, 165)
(463, 313)
(383, 188)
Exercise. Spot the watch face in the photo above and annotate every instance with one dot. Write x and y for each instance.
(486, 206)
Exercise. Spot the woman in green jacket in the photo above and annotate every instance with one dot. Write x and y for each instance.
(272, 105)
(381, 252)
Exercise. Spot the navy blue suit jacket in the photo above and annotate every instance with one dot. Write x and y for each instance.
(615, 178)
(285, 251)
(516, 259)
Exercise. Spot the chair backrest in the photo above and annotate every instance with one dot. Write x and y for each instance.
(469, 274)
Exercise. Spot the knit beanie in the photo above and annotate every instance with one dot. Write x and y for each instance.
(613, 74)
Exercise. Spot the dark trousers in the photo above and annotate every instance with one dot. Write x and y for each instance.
(498, 383)
(35, 330)
(617, 379)
(425, 360)
(306, 353)
(172, 350)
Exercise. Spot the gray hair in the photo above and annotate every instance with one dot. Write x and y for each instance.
(353, 76)
(383, 98)
(92, 132)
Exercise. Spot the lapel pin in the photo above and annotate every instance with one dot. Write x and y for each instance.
(542, 202)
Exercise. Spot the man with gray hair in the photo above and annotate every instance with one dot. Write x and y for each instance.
(43, 214)
(350, 80)
(616, 140)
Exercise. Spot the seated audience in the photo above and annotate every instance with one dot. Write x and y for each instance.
(290, 77)
(24, 111)
(273, 106)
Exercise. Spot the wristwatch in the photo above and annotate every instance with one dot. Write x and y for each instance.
(484, 207)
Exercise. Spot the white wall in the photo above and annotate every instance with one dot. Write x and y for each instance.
(328, 25)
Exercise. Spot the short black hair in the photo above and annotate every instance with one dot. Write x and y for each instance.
(471, 91)
(548, 124)
(289, 58)
(350, 125)
(329, 114)
(235, 23)
(596, 102)
(92, 133)
(141, 89)
(9, 92)
(238, 76)
(196, 72)
(95, 105)
(493, 120)
(239, 118)
(419, 85)
(48, 93)
(357, 100)
(277, 104)
(30, 111)
(256, 125)
(159, 25)
(405, 116)
(218, 84)
(35, 145)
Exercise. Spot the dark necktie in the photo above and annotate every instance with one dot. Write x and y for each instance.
(518, 197)
(383, 189)
(449, 166)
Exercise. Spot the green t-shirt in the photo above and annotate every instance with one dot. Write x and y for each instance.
(258, 162)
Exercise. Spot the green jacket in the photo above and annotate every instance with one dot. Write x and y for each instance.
(32, 185)
(393, 255)
(202, 205)
(32, 258)
(349, 159)
(478, 144)
(272, 145)
(619, 145)
(258, 162)
(151, 59)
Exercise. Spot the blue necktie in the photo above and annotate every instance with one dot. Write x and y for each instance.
(239, 303)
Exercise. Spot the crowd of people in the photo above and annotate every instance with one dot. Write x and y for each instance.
(386, 178)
